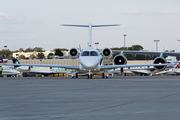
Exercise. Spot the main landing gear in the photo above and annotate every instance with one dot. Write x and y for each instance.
(104, 76)
(76, 76)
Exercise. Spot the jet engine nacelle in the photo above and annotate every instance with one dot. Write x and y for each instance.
(73, 53)
(120, 59)
(159, 60)
(106, 53)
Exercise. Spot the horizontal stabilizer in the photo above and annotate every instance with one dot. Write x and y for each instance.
(74, 25)
(89, 25)
(105, 25)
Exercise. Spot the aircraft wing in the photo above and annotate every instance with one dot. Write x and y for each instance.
(138, 65)
(44, 65)
(177, 54)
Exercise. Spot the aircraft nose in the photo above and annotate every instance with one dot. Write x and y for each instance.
(91, 63)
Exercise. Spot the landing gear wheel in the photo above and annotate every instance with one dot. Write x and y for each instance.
(102, 75)
(76, 75)
(87, 76)
(90, 76)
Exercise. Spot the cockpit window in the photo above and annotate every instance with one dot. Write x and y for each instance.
(93, 53)
(85, 53)
(11, 68)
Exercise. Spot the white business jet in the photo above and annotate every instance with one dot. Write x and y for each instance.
(38, 70)
(90, 58)
(8, 71)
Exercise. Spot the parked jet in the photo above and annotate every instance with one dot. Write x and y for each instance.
(145, 70)
(38, 70)
(90, 58)
(173, 71)
(142, 71)
(8, 71)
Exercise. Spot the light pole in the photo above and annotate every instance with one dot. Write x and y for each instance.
(5, 50)
(96, 43)
(124, 40)
(156, 44)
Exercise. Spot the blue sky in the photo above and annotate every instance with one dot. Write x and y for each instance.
(36, 23)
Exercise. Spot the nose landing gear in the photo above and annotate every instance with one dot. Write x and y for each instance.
(89, 75)
(74, 75)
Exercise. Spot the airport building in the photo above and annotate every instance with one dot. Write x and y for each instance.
(28, 54)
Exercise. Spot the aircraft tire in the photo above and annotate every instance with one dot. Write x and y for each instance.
(102, 75)
(76, 75)
(90, 76)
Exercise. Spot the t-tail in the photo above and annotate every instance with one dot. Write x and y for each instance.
(90, 26)
(15, 61)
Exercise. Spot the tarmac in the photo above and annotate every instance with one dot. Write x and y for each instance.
(115, 98)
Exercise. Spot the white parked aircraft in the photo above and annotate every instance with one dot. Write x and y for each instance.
(38, 70)
(173, 71)
(142, 71)
(145, 70)
(90, 58)
(8, 71)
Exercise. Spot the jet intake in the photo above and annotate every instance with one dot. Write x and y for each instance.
(106, 53)
(120, 59)
(73, 53)
(160, 60)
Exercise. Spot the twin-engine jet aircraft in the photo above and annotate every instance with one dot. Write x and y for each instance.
(91, 59)
(8, 71)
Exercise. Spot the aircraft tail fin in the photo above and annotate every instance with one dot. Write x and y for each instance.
(15, 61)
(90, 26)
(1, 59)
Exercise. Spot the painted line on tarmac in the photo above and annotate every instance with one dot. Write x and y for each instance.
(89, 114)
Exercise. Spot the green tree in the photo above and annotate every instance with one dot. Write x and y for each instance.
(38, 49)
(58, 52)
(21, 57)
(28, 50)
(32, 56)
(40, 55)
(7, 53)
(49, 55)
(21, 50)
(136, 47)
